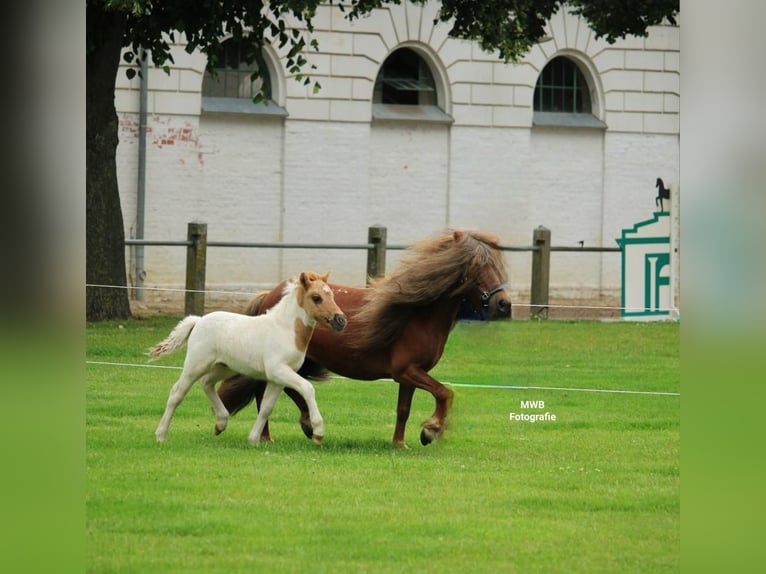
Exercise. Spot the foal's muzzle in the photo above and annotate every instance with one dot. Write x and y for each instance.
(337, 322)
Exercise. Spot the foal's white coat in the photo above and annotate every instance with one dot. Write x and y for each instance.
(271, 347)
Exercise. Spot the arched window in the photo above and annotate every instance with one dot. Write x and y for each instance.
(405, 79)
(232, 88)
(561, 87)
(562, 96)
(405, 89)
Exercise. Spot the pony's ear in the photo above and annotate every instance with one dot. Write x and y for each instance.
(304, 279)
(457, 235)
(325, 277)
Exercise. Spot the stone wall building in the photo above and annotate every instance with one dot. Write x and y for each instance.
(411, 130)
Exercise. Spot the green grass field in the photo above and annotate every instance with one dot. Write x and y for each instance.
(596, 490)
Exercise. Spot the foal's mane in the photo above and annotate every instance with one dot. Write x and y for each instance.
(431, 269)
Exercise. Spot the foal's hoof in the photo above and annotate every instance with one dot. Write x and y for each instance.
(317, 438)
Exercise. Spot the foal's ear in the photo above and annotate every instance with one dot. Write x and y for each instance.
(325, 277)
(304, 279)
(457, 235)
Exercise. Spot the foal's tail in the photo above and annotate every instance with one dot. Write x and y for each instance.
(176, 339)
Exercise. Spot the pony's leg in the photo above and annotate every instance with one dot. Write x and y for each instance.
(403, 405)
(433, 426)
(176, 397)
(208, 386)
(288, 378)
(270, 396)
(305, 419)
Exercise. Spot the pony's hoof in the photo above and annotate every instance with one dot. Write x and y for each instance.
(401, 444)
(428, 435)
(317, 439)
(307, 429)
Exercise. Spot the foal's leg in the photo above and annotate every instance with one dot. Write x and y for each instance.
(288, 378)
(177, 394)
(270, 396)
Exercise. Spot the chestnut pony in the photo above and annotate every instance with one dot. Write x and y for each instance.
(397, 328)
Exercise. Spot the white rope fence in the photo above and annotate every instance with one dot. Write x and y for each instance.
(465, 385)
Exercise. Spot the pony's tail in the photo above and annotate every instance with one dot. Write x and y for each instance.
(254, 306)
(176, 339)
(239, 391)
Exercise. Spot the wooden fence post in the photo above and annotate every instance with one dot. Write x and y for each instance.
(196, 255)
(541, 266)
(376, 257)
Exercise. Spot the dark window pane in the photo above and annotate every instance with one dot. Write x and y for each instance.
(561, 87)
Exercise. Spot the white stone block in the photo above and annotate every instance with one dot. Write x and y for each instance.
(370, 46)
(672, 103)
(161, 81)
(523, 96)
(624, 122)
(472, 115)
(644, 60)
(190, 81)
(609, 60)
(350, 111)
(661, 123)
(643, 102)
(461, 93)
(622, 80)
(614, 101)
(672, 62)
(474, 72)
(308, 108)
(354, 67)
(175, 103)
(489, 94)
(512, 116)
(663, 38)
(455, 51)
(361, 89)
(661, 82)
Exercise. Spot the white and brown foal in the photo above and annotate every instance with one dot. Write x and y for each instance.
(270, 347)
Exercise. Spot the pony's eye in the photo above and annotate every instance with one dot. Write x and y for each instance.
(316, 299)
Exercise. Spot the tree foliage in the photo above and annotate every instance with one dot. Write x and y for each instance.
(134, 28)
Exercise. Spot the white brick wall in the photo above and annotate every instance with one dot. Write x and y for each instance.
(326, 172)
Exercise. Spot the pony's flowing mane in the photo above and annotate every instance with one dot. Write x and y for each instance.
(431, 269)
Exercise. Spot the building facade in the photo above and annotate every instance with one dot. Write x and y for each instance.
(411, 130)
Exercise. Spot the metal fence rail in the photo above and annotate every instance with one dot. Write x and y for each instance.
(196, 259)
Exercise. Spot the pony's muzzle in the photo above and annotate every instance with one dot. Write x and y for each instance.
(338, 322)
(504, 308)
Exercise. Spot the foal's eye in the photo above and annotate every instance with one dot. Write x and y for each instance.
(316, 299)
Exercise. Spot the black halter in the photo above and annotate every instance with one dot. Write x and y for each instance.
(486, 295)
(468, 312)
